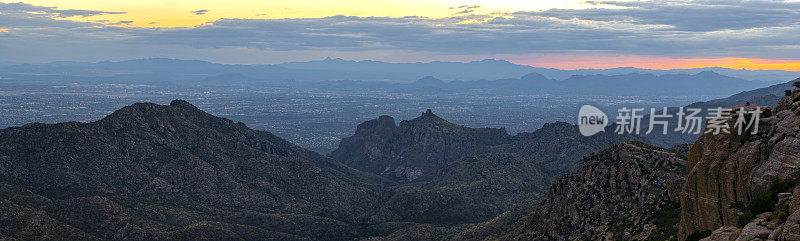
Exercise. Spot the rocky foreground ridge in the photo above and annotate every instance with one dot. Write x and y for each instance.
(741, 186)
(609, 184)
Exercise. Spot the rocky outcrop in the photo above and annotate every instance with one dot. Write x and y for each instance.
(607, 185)
(724, 233)
(444, 168)
(421, 148)
(416, 148)
(766, 226)
(728, 168)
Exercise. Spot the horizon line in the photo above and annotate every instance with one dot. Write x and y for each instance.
(738, 61)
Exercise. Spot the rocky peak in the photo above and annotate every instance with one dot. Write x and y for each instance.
(182, 104)
(429, 81)
(383, 124)
(418, 147)
(428, 118)
(534, 77)
(708, 73)
(790, 102)
(177, 109)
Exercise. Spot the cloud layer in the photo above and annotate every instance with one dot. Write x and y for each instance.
(680, 29)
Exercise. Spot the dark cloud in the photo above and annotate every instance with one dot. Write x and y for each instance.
(698, 16)
(24, 7)
(200, 12)
(466, 9)
(704, 29)
(121, 22)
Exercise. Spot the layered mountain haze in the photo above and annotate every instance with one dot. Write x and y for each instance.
(484, 120)
(150, 171)
(315, 106)
(705, 83)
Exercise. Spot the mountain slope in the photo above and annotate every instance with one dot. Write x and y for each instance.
(417, 148)
(608, 184)
(446, 168)
(153, 171)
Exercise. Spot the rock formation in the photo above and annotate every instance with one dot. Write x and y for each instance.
(416, 148)
(607, 185)
(725, 169)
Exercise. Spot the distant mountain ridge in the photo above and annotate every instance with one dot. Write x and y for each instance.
(367, 70)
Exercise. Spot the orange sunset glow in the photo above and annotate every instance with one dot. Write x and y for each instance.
(594, 62)
(558, 34)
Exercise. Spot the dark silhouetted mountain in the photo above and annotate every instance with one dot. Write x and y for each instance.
(428, 81)
(450, 168)
(150, 171)
(414, 149)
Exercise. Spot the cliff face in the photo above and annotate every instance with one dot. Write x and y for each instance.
(726, 168)
(416, 148)
(444, 168)
(490, 183)
(607, 185)
(421, 148)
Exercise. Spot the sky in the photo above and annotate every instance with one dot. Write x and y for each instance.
(657, 34)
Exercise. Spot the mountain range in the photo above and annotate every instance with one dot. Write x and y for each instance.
(486, 77)
(150, 171)
(631, 84)
(339, 69)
